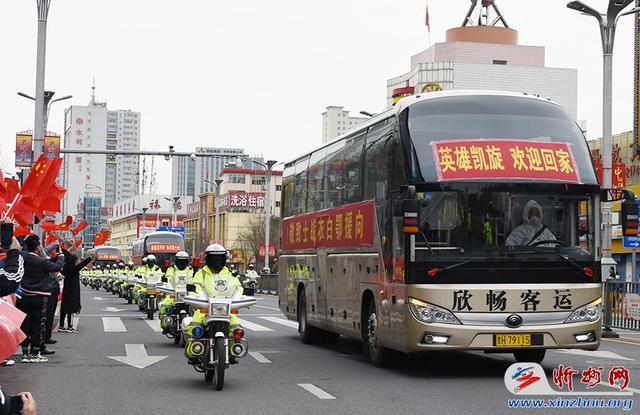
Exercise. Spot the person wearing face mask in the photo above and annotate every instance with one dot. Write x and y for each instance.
(532, 229)
(178, 275)
(217, 281)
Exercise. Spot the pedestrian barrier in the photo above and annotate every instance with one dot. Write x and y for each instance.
(621, 305)
(268, 284)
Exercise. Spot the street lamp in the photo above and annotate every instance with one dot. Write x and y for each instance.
(48, 95)
(607, 23)
(174, 200)
(144, 218)
(267, 209)
(216, 228)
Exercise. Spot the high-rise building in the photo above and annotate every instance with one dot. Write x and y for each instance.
(190, 177)
(95, 127)
(336, 121)
(485, 56)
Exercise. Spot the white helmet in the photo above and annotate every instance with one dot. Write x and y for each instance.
(215, 249)
(151, 257)
(182, 255)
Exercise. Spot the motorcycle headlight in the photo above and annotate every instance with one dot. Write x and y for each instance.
(169, 310)
(589, 312)
(429, 313)
(141, 295)
(218, 310)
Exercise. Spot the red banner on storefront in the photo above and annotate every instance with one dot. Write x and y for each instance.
(504, 159)
(347, 226)
(618, 175)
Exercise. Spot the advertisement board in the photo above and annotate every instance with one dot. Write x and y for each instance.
(24, 150)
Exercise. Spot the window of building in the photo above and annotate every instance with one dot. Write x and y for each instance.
(499, 62)
(258, 180)
(277, 203)
(278, 188)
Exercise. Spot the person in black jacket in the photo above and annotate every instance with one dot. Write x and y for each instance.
(71, 294)
(12, 270)
(36, 290)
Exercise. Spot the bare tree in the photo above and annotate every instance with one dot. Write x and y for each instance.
(252, 236)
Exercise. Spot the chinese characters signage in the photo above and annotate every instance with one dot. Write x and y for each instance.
(618, 175)
(164, 247)
(347, 226)
(504, 159)
(526, 300)
(235, 200)
(109, 257)
(52, 146)
(193, 210)
(24, 153)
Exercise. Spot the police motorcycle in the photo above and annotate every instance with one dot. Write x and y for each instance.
(210, 346)
(119, 278)
(175, 313)
(250, 282)
(84, 277)
(107, 278)
(97, 278)
(129, 283)
(149, 295)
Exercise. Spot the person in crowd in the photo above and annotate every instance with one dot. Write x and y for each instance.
(11, 272)
(71, 294)
(613, 274)
(36, 291)
(532, 230)
(52, 304)
(28, 403)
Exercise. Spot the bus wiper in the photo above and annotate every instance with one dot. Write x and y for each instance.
(435, 271)
(582, 270)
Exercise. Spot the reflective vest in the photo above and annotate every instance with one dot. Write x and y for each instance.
(223, 284)
(179, 278)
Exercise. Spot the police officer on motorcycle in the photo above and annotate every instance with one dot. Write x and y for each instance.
(178, 275)
(217, 281)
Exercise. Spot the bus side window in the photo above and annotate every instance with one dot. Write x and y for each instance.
(300, 200)
(315, 180)
(333, 175)
(288, 180)
(375, 171)
(352, 172)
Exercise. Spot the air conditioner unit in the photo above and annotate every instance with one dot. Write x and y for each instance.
(263, 187)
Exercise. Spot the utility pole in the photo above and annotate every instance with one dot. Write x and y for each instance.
(38, 128)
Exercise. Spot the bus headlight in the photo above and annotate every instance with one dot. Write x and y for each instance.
(589, 312)
(429, 313)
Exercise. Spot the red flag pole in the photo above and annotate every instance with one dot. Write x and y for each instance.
(12, 205)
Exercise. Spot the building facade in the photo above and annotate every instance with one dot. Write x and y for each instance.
(335, 121)
(94, 127)
(489, 58)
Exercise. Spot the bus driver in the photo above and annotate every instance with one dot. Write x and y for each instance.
(531, 230)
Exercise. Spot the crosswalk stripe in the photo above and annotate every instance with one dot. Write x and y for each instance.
(281, 321)
(154, 324)
(253, 326)
(313, 389)
(259, 357)
(113, 325)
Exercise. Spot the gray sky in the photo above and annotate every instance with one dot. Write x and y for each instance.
(258, 74)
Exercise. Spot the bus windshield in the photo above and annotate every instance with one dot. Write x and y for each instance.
(492, 225)
(493, 119)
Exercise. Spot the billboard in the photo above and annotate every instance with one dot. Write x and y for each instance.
(24, 150)
(51, 146)
(636, 82)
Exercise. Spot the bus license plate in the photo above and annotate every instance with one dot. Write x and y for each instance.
(512, 340)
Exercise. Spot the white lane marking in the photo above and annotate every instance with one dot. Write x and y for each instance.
(114, 309)
(598, 354)
(268, 308)
(314, 390)
(99, 298)
(154, 324)
(259, 357)
(253, 326)
(113, 325)
(633, 343)
(137, 356)
(281, 321)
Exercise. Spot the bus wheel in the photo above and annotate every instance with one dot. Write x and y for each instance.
(379, 355)
(309, 334)
(531, 355)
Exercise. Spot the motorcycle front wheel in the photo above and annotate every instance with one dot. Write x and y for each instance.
(221, 363)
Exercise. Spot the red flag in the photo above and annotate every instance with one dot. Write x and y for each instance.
(22, 211)
(12, 188)
(50, 200)
(427, 19)
(21, 231)
(34, 180)
(51, 238)
(79, 228)
(77, 243)
(101, 237)
(48, 192)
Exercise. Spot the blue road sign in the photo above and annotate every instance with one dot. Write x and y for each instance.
(631, 242)
(175, 229)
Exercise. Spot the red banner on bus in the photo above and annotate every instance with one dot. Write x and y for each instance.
(343, 227)
(109, 257)
(504, 159)
(164, 248)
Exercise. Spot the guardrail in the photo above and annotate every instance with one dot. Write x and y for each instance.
(621, 305)
(268, 284)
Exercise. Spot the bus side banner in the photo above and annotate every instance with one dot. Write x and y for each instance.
(481, 159)
(109, 257)
(343, 227)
